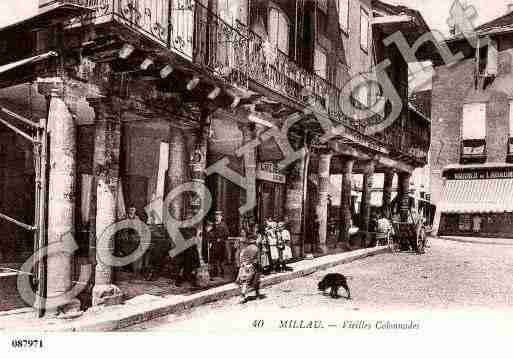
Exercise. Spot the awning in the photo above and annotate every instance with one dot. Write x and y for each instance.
(477, 196)
(30, 60)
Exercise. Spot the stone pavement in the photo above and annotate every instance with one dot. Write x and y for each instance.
(147, 307)
(480, 240)
(453, 288)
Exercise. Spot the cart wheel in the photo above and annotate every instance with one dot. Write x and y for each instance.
(421, 240)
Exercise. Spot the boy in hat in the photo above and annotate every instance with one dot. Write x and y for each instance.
(249, 271)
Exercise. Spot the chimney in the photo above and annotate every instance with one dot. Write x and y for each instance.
(509, 7)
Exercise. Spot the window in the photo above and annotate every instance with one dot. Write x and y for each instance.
(364, 29)
(474, 121)
(474, 133)
(343, 15)
(279, 29)
(320, 63)
(228, 10)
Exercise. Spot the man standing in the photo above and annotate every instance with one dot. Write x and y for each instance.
(217, 237)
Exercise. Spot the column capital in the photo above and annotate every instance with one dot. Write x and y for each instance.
(369, 167)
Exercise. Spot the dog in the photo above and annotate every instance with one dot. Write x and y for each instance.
(335, 281)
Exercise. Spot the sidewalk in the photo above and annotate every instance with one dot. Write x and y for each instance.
(480, 240)
(147, 307)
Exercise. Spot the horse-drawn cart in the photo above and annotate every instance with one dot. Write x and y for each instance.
(409, 235)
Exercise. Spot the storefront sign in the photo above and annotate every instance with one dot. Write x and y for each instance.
(482, 174)
(270, 177)
(268, 171)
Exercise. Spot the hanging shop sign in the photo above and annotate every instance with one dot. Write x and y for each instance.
(268, 171)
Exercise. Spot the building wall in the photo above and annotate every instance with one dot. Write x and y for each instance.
(453, 86)
(450, 87)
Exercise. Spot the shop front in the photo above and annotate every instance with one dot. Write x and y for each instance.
(271, 192)
(477, 202)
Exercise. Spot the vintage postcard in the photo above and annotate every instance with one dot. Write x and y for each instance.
(313, 168)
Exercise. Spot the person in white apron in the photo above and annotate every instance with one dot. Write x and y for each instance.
(270, 232)
(284, 250)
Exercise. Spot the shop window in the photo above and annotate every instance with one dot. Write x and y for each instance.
(473, 145)
(343, 15)
(465, 223)
(509, 157)
(320, 63)
(279, 29)
(364, 29)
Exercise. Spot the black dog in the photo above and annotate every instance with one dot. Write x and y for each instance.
(335, 281)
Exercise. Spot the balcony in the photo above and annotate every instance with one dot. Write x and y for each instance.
(232, 52)
(473, 151)
(235, 54)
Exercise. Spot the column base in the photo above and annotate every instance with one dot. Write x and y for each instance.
(322, 248)
(106, 295)
(66, 311)
(203, 275)
(296, 251)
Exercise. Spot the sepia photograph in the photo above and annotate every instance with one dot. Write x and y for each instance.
(297, 168)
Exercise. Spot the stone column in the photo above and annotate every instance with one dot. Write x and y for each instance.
(198, 167)
(322, 206)
(294, 203)
(345, 199)
(61, 196)
(387, 191)
(177, 172)
(404, 192)
(365, 209)
(106, 170)
(250, 164)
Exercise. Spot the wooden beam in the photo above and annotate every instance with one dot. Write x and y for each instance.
(146, 63)
(191, 85)
(126, 51)
(214, 93)
(166, 71)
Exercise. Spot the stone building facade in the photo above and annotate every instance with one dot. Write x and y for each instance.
(471, 136)
(182, 108)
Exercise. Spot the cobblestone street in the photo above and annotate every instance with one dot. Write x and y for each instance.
(450, 276)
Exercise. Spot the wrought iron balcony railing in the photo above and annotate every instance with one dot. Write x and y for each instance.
(231, 51)
(235, 53)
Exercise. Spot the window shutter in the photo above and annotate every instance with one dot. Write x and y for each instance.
(343, 14)
(320, 63)
(474, 121)
(511, 119)
(364, 29)
(492, 58)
